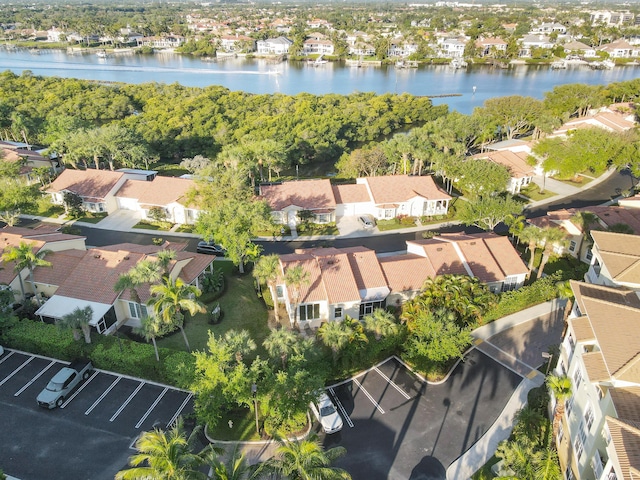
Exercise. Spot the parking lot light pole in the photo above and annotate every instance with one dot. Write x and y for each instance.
(254, 391)
(548, 357)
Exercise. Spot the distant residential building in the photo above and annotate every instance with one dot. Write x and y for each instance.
(487, 46)
(521, 172)
(547, 28)
(529, 42)
(453, 47)
(616, 260)
(607, 119)
(166, 41)
(237, 43)
(606, 17)
(319, 23)
(274, 46)
(620, 49)
(317, 44)
(579, 48)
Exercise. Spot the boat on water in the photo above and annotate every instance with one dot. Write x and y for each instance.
(319, 61)
(559, 64)
(603, 65)
(102, 54)
(458, 63)
(406, 64)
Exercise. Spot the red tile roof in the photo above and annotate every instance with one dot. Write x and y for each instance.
(515, 162)
(161, 191)
(86, 183)
(400, 188)
(406, 273)
(351, 193)
(306, 194)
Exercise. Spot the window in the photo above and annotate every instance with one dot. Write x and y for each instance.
(572, 245)
(588, 417)
(578, 447)
(337, 312)
(280, 291)
(612, 475)
(367, 308)
(597, 464)
(560, 432)
(600, 392)
(607, 435)
(577, 377)
(569, 406)
(568, 473)
(589, 255)
(137, 310)
(310, 312)
(389, 213)
(597, 267)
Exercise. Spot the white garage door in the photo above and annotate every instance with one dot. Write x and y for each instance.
(127, 203)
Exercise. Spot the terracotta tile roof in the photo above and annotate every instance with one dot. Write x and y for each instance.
(626, 442)
(611, 215)
(311, 291)
(159, 192)
(596, 368)
(352, 193)
(400, 188)
(582, 329)
(608, 120)
(620, 254)
(366, 268)
(627, 403)
(306, 194)
(337, 278)
(96, 274)
(86, 183)
(515, 162)
(62, 263)
(406, 273)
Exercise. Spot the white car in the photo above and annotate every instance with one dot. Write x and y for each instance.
(325, 412)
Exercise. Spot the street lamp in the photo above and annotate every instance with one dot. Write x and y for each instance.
(548, 356)
(254, 391)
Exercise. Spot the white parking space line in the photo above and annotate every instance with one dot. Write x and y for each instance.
(390, 382)
(6, 379)
(375, 404)
(95, 374)
(104, 394)
(153, 405)
(179, 411)
(126, 402)
(6, 356)
(30, 382)
(341, 408)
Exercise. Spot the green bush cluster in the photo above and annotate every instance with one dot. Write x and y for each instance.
(106, 352)
(539, 291)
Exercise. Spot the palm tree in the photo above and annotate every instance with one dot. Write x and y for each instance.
(235, 468)
(531, 235)
(516, 224)
(78, 321)
(147, 270)
(381, 323)
(266, 270)
(240, 343)
(170, 298)
(565, 291)
(553, 237)
(305, 460)
(281, 343)
(151, 328)
(165, 257)
(560, 387)
(127, 281)
(528, 423)
(25, 256)
(335, 335)
(296, 277)
(167, 455)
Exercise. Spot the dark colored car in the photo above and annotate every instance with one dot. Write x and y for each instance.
(211, 248)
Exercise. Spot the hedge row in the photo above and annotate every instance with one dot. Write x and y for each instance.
(119, 355)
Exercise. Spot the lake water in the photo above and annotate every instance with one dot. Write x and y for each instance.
(263, 76)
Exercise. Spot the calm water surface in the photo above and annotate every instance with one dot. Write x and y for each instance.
(263, 76)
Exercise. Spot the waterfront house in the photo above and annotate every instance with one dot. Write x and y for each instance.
(516, 162)
(490, 46)
(78, 279)
(529, 42)
(237, 43)
(274, 46)
(317, 44)
(619, 49)
(578, 48)
(164, 41)
(452, 47)
(598, 435)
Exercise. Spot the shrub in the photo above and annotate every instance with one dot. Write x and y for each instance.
(213, 282)
(268, 299)
(128, 357)
(43, 339)
(539, 291)
(405, 220)
(179, 369)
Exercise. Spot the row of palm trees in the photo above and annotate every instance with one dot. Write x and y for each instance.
(172, 455)
(26, 257)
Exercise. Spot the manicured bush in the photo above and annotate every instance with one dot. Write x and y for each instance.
(539, 291)
(179, 368)
(266, 296)
(43, 339)
(127, 357)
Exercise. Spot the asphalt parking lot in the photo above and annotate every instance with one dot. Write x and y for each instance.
(91, 435)
(398, 427)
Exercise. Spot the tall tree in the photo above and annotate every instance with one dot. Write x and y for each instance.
(487, 211)
(25, 256)
(295, 277)
(171, 298)
(240, 343)
(560, 387)
(335, 336)
(306, 460)
(281, 343)
(266, 270)
(553, 238)
(150, 329)
(167, 455)
(532, 236)
(381, 323)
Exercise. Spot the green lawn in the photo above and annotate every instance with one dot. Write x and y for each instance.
(242, 310)
(393, 224)
(90, 217)
(185, 228)
(532, 192)
(243, 426)
(146, 225)
(317, 229)
(579, 180)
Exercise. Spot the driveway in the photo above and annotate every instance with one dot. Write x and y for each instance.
(398, 427)
(92, 435)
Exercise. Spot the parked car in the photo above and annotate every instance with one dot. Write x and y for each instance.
(1, 350)
(367, 221)
(64, 382)
(211, 248)
(325, 412)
